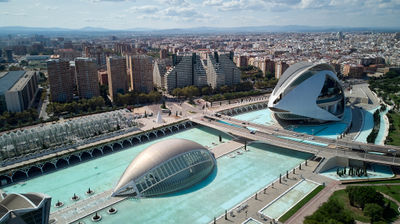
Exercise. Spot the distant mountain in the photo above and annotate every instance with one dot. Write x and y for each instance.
(196, 30)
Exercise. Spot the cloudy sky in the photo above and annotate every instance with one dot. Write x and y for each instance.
(120, 14)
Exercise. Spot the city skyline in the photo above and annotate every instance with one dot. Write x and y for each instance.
(163, 14)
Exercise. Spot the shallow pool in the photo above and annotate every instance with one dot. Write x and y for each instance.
(287, 200)
(330, 130)
(102, 173)
(235, 180)
(380, 140)
(368, 125)
(262, 116)
(376, 171)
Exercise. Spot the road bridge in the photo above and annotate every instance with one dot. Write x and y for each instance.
(321, 147)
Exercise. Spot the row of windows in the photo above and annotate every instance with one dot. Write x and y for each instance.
(170, 168)
(181, 180)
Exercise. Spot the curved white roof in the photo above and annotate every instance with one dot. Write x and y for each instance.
(155, 155)
(20, 203)
(298, 89)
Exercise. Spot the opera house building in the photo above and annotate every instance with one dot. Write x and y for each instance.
(164, 167)
(308, 92)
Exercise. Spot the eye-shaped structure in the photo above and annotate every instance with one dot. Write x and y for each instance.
(164, 167)
(310, 92)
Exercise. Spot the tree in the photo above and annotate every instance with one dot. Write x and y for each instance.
(207, 90)
(177, 92)
(225, 89)
(362, 195)
(330, 212)
(374, 211)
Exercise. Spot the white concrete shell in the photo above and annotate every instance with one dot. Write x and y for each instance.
(165, 167)
(308, 91)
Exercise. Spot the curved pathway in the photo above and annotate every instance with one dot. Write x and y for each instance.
(324, 195)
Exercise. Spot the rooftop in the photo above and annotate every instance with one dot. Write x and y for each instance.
(8, 80)
(21, 83)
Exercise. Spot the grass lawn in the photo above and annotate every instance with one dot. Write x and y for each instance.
(357, 213)
(300, 204)
(392, 191)
(395, 134)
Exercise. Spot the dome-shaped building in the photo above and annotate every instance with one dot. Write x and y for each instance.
(310, 92)
(165, 167)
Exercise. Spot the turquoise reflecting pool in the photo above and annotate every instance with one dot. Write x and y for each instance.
(263, 116)
(376, 171)
(382, 127)
(288, 199)
(367, 126)
(102, 173)
(235, 180)
(330, 130)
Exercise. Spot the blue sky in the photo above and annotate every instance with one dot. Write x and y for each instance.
(162, 14)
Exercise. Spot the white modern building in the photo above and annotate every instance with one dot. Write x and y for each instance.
(309, 92)
(164, 167)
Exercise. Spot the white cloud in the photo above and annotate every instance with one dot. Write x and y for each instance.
(213, 2)
(144, 9)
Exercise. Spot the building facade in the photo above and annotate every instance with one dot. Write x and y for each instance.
(117, 78)
(86, 78)
(221, 70)
(140, 72)
(61, 80)
(280, 68)
(18, 90)
(187, 70)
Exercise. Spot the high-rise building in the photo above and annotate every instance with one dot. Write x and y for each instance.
(18, 90)
(280, 68)
(103, 77)
(163, 53)
(187, 70)
(117, 78)
(159, 70)
(140, 72)
(61, 80)
(268, 67)
(25, 208)
(86, 77)
(221, 70)
(353, 71)
(243, 61)
(9, 55)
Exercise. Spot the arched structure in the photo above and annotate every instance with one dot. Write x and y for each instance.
(165, 167)
(310, 92)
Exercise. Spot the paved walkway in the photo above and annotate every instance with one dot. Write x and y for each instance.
(251, 206)
(314, 203)
(226, 148)
(85, 207)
